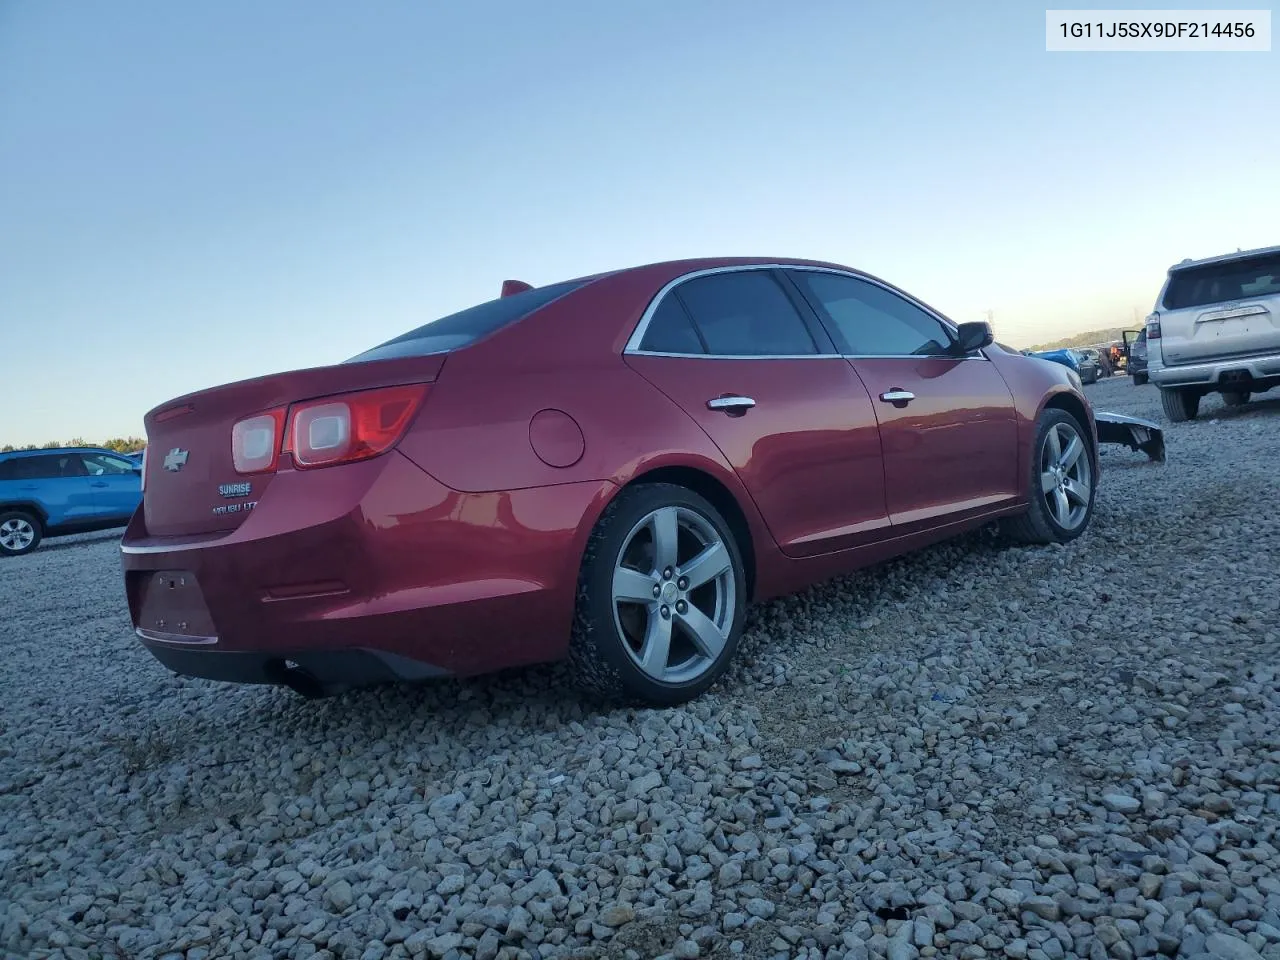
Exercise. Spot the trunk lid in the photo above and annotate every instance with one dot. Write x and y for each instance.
(192, 486)
(1222, 309)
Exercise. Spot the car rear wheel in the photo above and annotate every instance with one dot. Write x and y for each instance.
(1235, 398)
(1062, 487)
(1180, 404)
(661, 598)
(20, 533)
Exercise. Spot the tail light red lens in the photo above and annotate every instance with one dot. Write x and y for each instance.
(1153, 327)
(255, 442)
(353, 426)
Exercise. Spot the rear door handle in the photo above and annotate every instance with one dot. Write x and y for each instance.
(731, 404)
(98, 483)
(896, 396)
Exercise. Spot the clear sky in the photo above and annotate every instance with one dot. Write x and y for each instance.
(192, 193)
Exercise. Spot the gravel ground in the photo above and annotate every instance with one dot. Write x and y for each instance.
(969, 752)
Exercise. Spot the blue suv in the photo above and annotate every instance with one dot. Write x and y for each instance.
(50, 493)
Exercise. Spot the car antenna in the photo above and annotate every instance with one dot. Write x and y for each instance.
(512, 287)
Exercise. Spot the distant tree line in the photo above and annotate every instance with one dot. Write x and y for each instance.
(118, 444)
(1086, 339)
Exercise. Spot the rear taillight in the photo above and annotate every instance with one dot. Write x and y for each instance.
(256, 441)
(1153, 327)
(353, 426)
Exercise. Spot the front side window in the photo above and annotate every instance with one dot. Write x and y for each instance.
(745, 313)
(872, 321)
(100, 464)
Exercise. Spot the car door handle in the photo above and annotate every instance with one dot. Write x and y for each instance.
(98, 483)
(731, 404)
(896, 395)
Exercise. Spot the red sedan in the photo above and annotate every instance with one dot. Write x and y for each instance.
(607, 469)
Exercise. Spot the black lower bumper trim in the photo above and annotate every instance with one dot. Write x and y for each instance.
(310, 672)
(1136, 434)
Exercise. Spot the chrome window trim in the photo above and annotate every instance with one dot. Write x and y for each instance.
(642, 327)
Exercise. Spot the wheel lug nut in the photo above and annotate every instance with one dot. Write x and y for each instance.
(657, 590)
(666, 612)
(666, 574)
(683, 583)
(682, 607)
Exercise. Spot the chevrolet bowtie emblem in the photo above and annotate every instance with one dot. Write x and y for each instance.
(174, 459)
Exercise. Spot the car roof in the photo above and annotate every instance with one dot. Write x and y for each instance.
(1225, 257)
(46, 450)
(690, 264)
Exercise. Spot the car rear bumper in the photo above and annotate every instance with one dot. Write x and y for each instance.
(1216, 372)
(390, 575)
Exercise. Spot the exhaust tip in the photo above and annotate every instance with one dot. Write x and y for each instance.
(297, 678)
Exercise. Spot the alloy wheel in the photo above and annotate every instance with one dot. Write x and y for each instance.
(1066, 476)
(674, 594)
(16, 534)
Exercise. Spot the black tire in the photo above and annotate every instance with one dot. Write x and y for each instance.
(1235, 398)
(601, 657)
(1139, 379)
(1179, 403)
(1038, 525)
(21, 524)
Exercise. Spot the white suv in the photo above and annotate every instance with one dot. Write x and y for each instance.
(1216, 329)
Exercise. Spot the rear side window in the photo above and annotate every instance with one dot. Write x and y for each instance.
(1223, 282)
(42, 467)
(671, 330)
(466, 326)
(745, 314)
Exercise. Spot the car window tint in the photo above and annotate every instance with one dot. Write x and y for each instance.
(466, 326)
(43, 467)
(871, 320)
(670, 330)
(1223, 282)
(745, 314)
(98, 464)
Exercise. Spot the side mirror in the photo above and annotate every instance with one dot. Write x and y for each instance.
(972, 337)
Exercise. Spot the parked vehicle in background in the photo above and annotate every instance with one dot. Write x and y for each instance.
(1087, 367)
(606, 470)
(1104, 367)
(50, 493)
(1216, 329)
(1067, 358)
(1138, 358)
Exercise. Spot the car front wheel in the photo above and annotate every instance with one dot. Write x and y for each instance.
(661, 598)
(1061, 486)
(19, 533)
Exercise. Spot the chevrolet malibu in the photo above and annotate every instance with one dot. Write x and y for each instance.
(605, 470)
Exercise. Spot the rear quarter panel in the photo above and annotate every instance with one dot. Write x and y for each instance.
(473, 436)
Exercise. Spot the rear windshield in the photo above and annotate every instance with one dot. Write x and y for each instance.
(466, 326)
(1223, 282)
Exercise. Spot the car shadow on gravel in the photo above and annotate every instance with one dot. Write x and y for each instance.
(79, 541)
